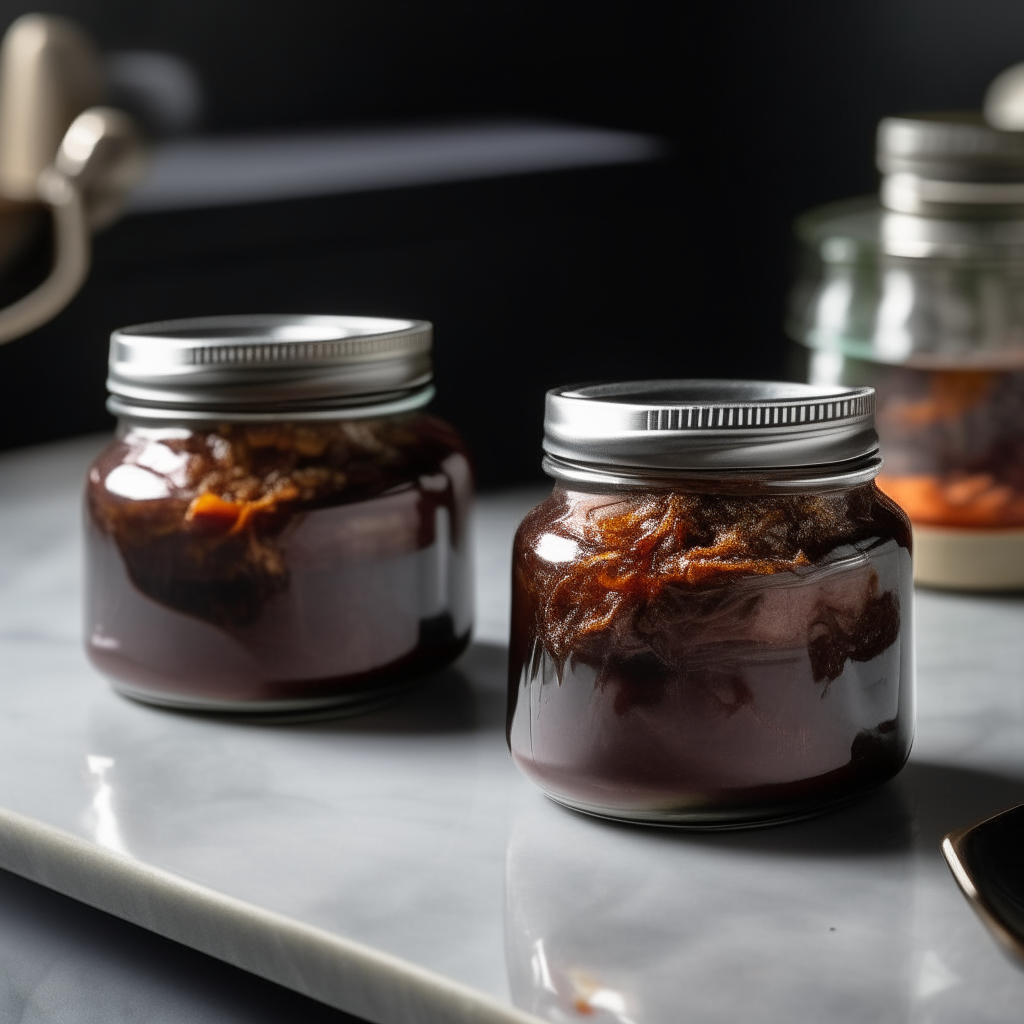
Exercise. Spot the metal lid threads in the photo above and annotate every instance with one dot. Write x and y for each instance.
(950, 165)
(262, 366)
(658, 427)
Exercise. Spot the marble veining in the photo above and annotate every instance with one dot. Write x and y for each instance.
(404, 849)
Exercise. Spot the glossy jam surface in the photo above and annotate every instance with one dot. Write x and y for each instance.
(710, 659)
(253, 563)
(954, 445)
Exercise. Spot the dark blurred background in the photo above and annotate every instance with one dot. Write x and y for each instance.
(676, 265)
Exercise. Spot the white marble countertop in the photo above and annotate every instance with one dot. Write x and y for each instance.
(397, 866)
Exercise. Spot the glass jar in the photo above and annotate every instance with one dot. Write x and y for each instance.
(278, 525)
(921, 296)
(712, 612)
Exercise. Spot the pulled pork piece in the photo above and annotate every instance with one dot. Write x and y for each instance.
(209, 545)
(652, 572)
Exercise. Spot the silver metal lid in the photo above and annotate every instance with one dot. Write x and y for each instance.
(262, 366)
(950, 146)
(950, 164)
(663, 427)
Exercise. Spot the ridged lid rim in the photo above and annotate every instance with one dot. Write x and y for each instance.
(263, 361)
(685, 424)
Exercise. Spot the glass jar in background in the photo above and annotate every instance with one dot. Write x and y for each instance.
(921, 296)
(712, 612)
(278, 526)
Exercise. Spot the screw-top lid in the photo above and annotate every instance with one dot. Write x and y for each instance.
(638, 429)
(935, 163)
(950, 146)
(262, 366)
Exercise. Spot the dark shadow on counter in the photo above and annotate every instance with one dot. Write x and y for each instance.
(466, 697)
(916, 809)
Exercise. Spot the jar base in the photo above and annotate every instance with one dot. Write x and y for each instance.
(696, 820)
(965, 559)
(354, 695)
(272, 711)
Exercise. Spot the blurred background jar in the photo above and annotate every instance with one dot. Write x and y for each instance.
(278, 525)
(920, 294)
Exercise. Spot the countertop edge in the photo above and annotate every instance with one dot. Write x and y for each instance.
(340, 972)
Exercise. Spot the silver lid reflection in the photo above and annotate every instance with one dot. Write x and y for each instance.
(651, 426)
(950, 165)
(265, 364)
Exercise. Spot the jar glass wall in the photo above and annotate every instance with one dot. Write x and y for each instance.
(277, 565)
(918, 294)
(941, 340)
(699, 657)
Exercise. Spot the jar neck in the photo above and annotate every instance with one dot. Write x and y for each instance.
(783, 480)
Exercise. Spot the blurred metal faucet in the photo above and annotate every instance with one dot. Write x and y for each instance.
(61, 152)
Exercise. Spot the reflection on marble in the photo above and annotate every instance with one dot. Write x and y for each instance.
(847, 917)
(626, 925)
(421, 879)
(364, 826)
(103, 820)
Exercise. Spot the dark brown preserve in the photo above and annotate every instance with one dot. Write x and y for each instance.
(710, 659)
(277, 565)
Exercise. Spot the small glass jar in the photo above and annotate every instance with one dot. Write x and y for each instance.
(278, 526)
(712, 612)
(919, 293)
